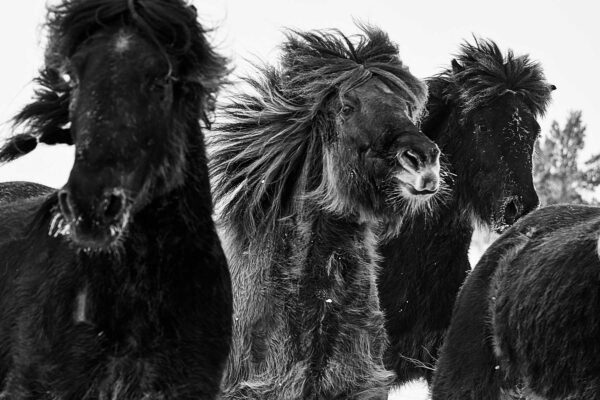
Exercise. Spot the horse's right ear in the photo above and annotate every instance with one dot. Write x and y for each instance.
(456, 67)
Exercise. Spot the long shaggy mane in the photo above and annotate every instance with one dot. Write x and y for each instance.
(270, 152)
(170, 24)
(484, 74)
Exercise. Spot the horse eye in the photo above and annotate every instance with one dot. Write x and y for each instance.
(347, 110)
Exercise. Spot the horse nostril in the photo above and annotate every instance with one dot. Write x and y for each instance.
(64, 203)
(434, 153)
(410, 160)
(113, 205)
(512, 212)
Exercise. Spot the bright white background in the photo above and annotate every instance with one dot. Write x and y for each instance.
(563, 35)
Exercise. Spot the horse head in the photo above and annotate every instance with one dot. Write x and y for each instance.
(375, 157)
(335, 123)
(490, 103)
(131, 80)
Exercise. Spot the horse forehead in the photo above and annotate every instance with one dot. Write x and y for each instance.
(377, 91)
(128, 45)
(123, 42)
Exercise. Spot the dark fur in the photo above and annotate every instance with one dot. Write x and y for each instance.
(299, 210)
(13, 191)
(470, 116)
(150, 317)
(526, 322)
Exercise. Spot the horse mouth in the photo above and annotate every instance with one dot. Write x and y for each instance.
(415, 192)
(89, 236)
(417, 186)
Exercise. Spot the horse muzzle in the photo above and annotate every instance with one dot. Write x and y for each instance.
(419, 174)
(97, 224)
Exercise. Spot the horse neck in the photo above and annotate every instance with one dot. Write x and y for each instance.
(319, 243)
(422, 240)
(187, 209)
(335, 230)
(171, 242)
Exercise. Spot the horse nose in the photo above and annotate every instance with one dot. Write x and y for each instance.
(415, 159)
(411, 160)
(427, 183)
(517, 206)
(112, 206)
(65, 204)
(423, 165)
(513, 210)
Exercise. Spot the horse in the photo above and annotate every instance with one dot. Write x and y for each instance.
(482, 114)
(116, 285)
(526, 322)
(312, 154)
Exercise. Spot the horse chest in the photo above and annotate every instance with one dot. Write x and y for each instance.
(126, 320)
(328, 288)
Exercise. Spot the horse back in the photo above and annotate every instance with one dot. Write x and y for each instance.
(514, 305)
(545, 304)
(17, 235)
(19, 190)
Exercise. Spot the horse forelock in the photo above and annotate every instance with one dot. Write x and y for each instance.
(171, 25)
(485, 74)
(269, 155)
(314, 62)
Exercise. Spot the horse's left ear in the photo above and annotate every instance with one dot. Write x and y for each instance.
(456, 67)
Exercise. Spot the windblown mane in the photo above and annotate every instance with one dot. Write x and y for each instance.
(269, 153)
(170, 24)
(483, 75)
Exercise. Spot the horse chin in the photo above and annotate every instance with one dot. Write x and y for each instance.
(409, 191)
(500, 226)
(499, 223)
(415, 201)
(90, 238)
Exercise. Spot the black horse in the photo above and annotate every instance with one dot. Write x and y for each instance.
(116, 286)
(527, 320)
(482, 113)
(309, 164)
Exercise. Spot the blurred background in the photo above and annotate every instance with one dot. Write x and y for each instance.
(563, 36)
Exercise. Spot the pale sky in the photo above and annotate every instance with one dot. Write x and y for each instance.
(563, 35)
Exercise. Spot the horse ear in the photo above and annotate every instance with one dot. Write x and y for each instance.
(456, 67)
